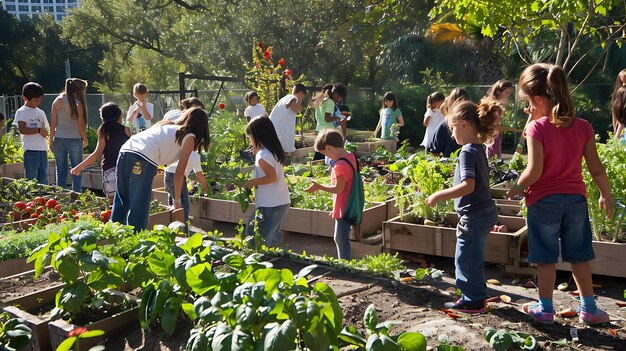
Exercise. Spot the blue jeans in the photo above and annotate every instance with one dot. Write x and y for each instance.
(469, 259)
(342, 238)
(62, 147)
(168, 181)
(131, 204)
(36, 165)
(270, 224)
(559, 219)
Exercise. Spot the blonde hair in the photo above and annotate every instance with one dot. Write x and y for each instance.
(483, 116)
(550, 81)
(75, 92)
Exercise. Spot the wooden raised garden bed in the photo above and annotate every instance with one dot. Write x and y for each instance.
(503, 248)
(371, 146)
(15, 266)
(501, 190)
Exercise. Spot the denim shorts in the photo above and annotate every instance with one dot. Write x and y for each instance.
(560, 219)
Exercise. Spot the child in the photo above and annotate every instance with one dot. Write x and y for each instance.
(433, 116)
(33, 127)
(111, 136)
(441, 142)
(140, 156)
(184, 104)
(254, 108)
(283, 116)
(618, 105)
(390, 114)
(555, 193)
(499, 91)
(471, 125)
(139, 115)
(68, 130)
(330, 143)
(195, 165)
(272, 194)
(324, 104)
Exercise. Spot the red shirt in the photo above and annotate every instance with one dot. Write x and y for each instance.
(342, 169)
(562, 158)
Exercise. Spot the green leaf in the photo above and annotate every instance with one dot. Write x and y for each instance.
(420, 273)
(192, 244)
(305, 271)
(72, 297)
(222, 339)
(67, 344)
(280, 336)
(412, 341)
(270, 276)
(370, 319)
(201, 279)
(352, 336)
(189, 311)
(235, 260)
(68, 269)
(170, 314)
(161, 264)
(91, 334)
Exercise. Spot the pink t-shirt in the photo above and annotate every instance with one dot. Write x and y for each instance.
(342, 169)
(562, 158)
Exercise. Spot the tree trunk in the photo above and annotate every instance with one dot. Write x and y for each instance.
(561, 52)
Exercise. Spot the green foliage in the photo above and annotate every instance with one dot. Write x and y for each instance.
(11, 147)
(502, 340)
(78, 334)
(383, 264)
(613, 158)
(14, 333)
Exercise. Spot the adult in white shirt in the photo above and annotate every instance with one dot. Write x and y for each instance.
(283, 117)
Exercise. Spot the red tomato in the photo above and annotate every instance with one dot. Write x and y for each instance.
(57, 208)
(34, 215)
(51, 203)
(30, 203)
(28, 209)
(39, 200)
(20, 205)
(40, 209)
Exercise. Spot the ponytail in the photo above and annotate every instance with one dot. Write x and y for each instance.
(322, 95)
(75, 92)
(484, 116)
(434, 98)
(550, 81)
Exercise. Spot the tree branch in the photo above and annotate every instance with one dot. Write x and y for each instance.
(569, 55)
(194, 7)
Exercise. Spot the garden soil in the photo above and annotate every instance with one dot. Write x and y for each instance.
(416, 306)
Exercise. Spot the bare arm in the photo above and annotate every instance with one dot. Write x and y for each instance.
(598, 173)
(144, 111)
(333, 189)
(23, 129)
(202, 180)
(330, 118)
(619, 131)
(54, 116)
(82, 126)
(400, 121)
(378, 126)
(533, 171)
(269, 177)
(465, 187)
(295, 105)
(179, 175)
(426, 121)
(96, 154)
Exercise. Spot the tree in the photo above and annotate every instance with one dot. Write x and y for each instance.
(567, 33)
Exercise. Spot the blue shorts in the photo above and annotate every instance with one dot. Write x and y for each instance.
(564, 218)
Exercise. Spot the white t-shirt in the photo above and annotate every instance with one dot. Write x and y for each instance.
(156, 145)
(34, 118)
(254, 111)
(194, 164)
(273, 194)
(284, 120)
(435, 120)
(140, 123)
(173, 115)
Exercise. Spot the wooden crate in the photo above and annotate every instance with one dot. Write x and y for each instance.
(501, 190)
(371, 146)
(508, 207)
(220, 210)
(16, 171)
(15, 266)
(163, 217)
(161, 196)
(503, 248)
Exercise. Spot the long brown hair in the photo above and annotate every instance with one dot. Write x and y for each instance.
(483, 116)
(618, 102)
(322, 95)
(456, 95)
(497, 88)
(75, 92)
(542, 79)
(196, 121)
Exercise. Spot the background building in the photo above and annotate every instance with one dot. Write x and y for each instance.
(24, 8)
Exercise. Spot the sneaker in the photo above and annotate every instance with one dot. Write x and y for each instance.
(600, 317)
(470, 307)
(538, 315)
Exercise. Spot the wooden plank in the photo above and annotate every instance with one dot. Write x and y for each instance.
(163, 217)
(610, 259)
(15, 266)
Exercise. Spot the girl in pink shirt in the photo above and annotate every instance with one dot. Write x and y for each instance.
(555, 192)
(329, 142)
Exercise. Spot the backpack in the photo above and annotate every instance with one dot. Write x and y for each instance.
(356, 202)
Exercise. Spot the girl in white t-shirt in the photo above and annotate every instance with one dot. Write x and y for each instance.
(163, 144)
(433, 116)
(271, 194)
(254, 108)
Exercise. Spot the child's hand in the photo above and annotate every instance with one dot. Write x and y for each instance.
(607, 204)
(314, 186)
(432, 200)
(515, 193)
(43, 132)
(249, 184)
(75, 171)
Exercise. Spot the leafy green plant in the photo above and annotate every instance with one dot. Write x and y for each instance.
(14, 333)
(377, 336)
(78, 334)
(75, 255)
(11, 148)
(502, 340)
(421, 272)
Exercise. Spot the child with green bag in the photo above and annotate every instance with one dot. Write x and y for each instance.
(346, 187)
